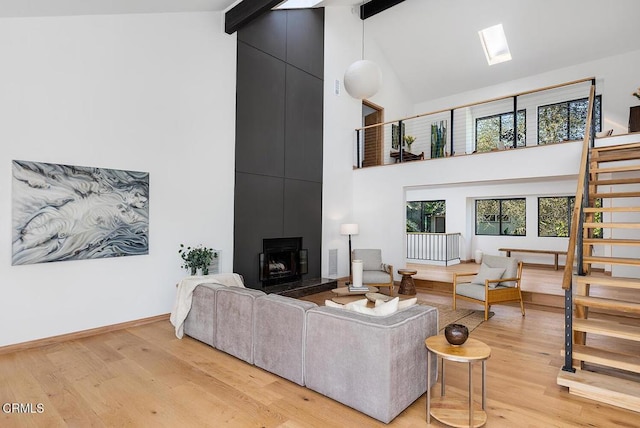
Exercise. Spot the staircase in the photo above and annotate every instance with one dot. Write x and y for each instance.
(605, 325)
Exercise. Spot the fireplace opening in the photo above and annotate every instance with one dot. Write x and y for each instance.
(282, 260)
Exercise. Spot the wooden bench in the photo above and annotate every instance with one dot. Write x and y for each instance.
(556, 253)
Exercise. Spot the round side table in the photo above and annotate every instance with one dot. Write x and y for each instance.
(452, 412)
(406, 284)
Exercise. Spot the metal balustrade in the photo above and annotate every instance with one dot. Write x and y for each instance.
(434, 248)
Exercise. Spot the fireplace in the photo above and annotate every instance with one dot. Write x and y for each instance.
(282, 260)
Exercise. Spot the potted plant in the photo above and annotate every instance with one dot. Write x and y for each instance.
(199, 257)
(408, 140)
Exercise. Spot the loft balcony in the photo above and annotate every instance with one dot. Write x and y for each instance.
(544, 117)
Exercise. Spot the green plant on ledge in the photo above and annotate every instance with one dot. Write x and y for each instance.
(637, 94)
(408, 140)
(199, 257)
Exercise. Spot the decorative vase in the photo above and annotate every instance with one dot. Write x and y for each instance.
(456, 334)
(193, 270)
(205, 270)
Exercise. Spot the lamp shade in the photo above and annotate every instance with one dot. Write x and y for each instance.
(362, 79)
(349, 229)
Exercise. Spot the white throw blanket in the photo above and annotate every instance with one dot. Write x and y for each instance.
(184, 295)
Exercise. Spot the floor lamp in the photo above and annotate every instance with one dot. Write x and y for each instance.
(349, 229)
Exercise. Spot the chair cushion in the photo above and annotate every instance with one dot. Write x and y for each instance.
(371, 258)
(375, 277)
(510, 265)
(487, 272)
(475, 291)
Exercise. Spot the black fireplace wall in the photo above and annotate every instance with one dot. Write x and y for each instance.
(279, 122)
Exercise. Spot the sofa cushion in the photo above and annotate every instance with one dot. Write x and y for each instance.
(279, 330)
(376, 365)
(234, 321)
(201, 320)
(371, 259)
(383, 309)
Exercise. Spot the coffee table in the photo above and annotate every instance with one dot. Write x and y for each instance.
(344, 291)
(452, 412)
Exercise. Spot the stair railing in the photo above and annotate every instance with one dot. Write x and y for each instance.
(576, 234)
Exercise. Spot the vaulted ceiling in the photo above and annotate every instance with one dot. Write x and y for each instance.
(433, 45)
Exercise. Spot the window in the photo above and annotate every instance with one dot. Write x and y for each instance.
(426, 216)
(501, 217)
(497, 131)
(554, 216)
(566, 121)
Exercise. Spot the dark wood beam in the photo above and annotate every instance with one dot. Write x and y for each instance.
(374, 7)
(245, 12)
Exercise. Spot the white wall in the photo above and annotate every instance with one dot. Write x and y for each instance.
(143, 92)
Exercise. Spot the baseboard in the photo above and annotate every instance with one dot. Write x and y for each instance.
(80, 334)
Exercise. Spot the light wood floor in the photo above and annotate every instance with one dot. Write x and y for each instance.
(145, 377)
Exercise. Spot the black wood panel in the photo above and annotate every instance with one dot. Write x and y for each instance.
(374, 7)
(305, 40)
(245, 12)
(303, 217)
(303, 126)
(279, 129)
(267, 33)
(260, 112)
(259, 214)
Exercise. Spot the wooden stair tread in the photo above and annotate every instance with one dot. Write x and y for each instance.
(610, 241)
(603, 388)
(611, 304)
(606, 358)
(626, 146)
(606, 225)
(613, 181)
(610, 281)
(611, 209)
(615, 195)
(607, 328)
(625, 168)
(621, 155)
(612, 260)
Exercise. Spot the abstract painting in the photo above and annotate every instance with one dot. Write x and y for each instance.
(63, 212)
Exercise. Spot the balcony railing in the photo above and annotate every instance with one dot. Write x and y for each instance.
(434, 248)
(453, 131)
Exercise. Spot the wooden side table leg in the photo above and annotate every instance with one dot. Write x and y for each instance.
(484, 390)
(470, 394)
(429, 387)
(442, 377)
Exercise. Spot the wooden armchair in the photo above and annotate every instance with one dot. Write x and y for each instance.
(498, 281)
(375, 273)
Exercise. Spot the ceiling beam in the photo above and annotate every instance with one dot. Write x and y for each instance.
(374, 7)
(245, 12)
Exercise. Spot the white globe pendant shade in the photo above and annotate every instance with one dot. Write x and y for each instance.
(362, 79)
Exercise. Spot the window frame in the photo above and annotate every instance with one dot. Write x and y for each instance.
(514, 144)
(500, 216)
(569, 214)
(598, 127)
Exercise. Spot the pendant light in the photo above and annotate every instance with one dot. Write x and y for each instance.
(363, 78)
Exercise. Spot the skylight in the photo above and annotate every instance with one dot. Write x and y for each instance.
(494, 43)
(297, 4)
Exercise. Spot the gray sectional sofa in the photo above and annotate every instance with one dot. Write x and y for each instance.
(376, 365)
